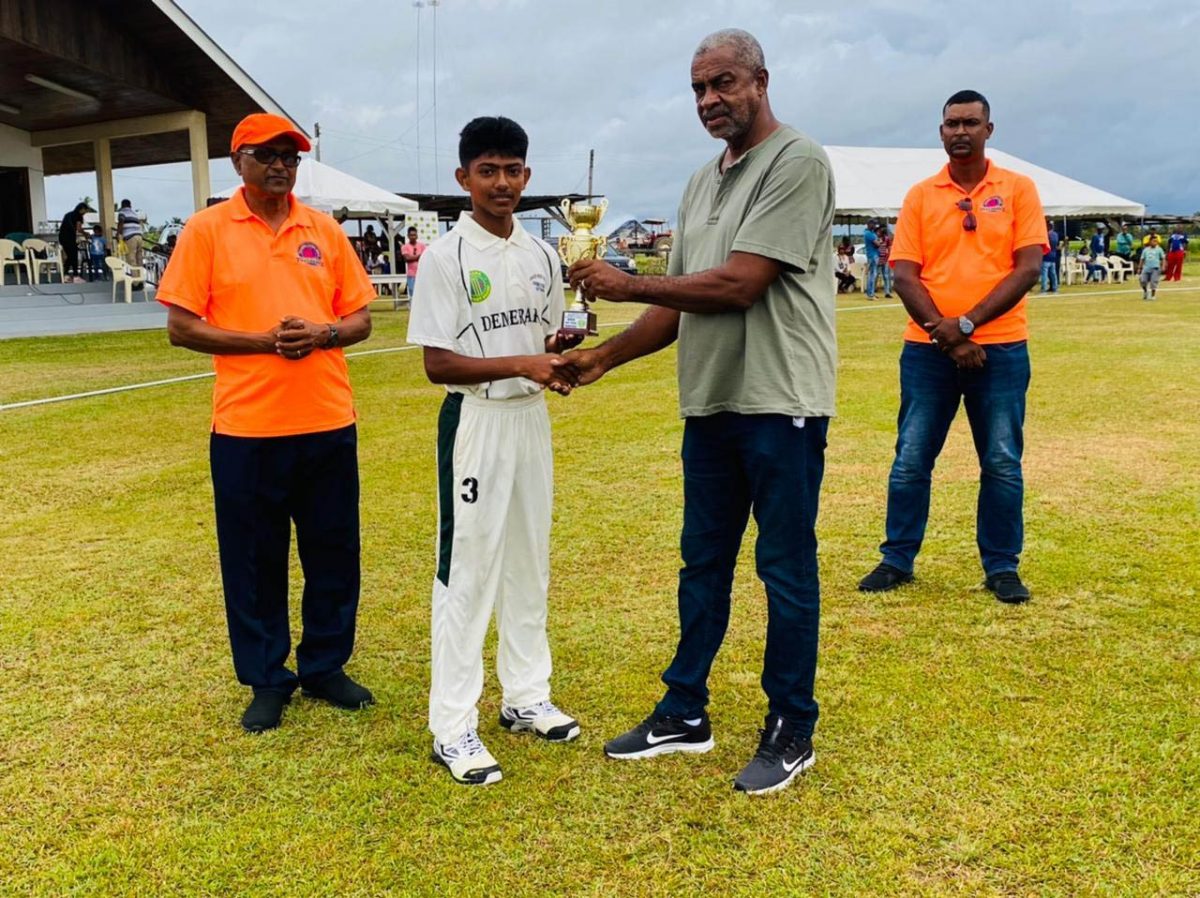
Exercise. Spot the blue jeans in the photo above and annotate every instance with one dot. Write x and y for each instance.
(410, 281)
(734, 464)
(872, 274)
(886, 271)
(1049, 277)
(931, 387)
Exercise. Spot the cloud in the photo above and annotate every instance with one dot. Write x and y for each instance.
(1097, 90)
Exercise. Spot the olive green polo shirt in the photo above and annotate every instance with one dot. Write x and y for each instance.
(780, 355)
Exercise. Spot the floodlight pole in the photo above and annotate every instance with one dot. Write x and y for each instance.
(317, 136)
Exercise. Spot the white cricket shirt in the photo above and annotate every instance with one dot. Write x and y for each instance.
(482, 296)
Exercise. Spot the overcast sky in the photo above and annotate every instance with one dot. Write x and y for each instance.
(1102, 91)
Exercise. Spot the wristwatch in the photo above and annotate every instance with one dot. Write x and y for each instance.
(966, 325)
(332, 340)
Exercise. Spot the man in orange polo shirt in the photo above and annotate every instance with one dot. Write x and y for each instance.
(969, 245)
(272, 290)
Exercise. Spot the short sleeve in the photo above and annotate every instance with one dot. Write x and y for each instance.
(1029, 223)
(187, 280)
(791, 213)
(906, 247)
(437, 316)
(354, 287)
(675, 257)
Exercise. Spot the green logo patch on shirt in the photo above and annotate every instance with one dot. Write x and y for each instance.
(481, 286)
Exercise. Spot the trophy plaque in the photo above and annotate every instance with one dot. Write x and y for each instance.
(581, 243)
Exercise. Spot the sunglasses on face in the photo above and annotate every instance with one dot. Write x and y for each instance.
(267, 156)
(965, 205)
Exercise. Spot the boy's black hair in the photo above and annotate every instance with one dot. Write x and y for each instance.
(491, 134)
(969, 96)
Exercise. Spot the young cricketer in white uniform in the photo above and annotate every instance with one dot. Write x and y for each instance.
(487, 307)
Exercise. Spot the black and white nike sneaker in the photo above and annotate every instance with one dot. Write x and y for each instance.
(782, 755)
(657, 735)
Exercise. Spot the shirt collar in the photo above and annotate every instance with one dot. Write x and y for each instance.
(298, 213)
(483, 239)
(943, 179)
(749, 154)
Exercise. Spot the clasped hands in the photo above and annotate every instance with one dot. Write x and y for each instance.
(296, 338)
(945, 334)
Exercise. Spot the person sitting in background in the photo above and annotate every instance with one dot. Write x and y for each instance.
(97, 250)
(847, 282)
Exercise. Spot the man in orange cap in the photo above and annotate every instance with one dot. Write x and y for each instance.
(272, 290)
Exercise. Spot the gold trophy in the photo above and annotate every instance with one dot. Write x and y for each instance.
(581, 243)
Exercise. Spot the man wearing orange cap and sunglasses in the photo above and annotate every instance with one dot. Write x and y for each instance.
(969, 245)
(273, 290)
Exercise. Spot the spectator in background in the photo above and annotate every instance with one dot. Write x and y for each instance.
(370, 243)
(1050, 260)
(97, 250)
(871, 248)
(68, 237)
(129, 224)
(1125, 244)
(1098, 245)
(884, 239)
(1152, 264)
(411, 252)
(844, 270)
(1176, 253)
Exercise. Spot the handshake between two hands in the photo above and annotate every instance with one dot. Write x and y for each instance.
(565, 368)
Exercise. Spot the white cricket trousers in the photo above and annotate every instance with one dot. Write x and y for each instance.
(495, 487)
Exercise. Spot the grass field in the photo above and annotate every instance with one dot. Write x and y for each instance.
(965, 747)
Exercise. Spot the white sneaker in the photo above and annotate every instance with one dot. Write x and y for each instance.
(543, 719)
(468, 761)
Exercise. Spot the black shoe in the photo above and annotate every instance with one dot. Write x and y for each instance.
(657, 735)
(341, 691)
(884, 578)
(264, 711)
(782, 755)
(1008, 587)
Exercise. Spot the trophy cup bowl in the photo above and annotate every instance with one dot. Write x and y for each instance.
(581, 243)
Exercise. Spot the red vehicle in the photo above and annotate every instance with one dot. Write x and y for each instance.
(655, 237)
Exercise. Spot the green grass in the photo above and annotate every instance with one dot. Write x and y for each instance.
(965, 747)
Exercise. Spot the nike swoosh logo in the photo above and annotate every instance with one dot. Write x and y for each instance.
(792, 766)
(654, 740)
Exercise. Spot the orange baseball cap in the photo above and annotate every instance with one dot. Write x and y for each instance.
(263, 127)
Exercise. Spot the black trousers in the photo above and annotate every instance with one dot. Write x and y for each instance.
(261, 485)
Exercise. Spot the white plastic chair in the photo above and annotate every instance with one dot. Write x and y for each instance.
(1074, 270)
(123, 274)
(8, 259)
(1119, 269)
(34, 265)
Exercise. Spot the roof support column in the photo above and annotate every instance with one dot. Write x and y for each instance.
(102, 152)
(198, 143)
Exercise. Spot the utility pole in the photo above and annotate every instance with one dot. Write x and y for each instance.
(417, 4)
(437, 163)
(591, 169)
(317, 136)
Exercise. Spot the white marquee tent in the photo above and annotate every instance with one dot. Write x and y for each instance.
(341, 195)
(872, 181)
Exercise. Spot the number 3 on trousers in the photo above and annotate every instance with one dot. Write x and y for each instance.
(470, 493)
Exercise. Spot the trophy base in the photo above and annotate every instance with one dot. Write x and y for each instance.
(581, 322)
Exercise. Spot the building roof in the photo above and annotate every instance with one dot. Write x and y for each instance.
(118, 61)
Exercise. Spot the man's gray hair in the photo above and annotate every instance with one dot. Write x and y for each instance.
(746, 49)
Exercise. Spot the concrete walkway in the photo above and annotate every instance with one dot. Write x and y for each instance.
(46, 310)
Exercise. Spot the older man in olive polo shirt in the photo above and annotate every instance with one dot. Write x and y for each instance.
(749, 293)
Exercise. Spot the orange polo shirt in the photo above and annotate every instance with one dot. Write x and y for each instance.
(231, 269)
(960, 267)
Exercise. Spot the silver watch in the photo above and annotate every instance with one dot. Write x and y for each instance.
(966, 325)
